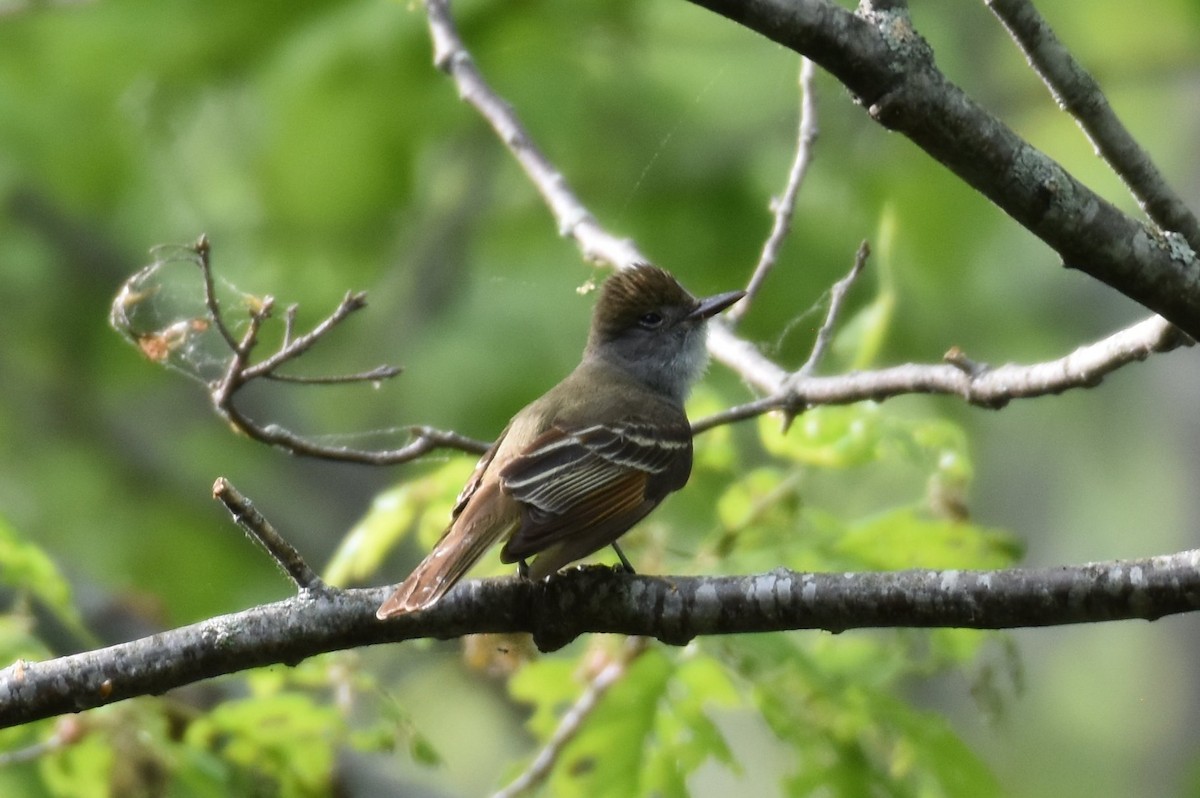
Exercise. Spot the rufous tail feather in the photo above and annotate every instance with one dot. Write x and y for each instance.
(458, 550)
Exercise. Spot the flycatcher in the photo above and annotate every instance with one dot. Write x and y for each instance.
(575, 469)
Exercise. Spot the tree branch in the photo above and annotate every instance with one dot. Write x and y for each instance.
(574, 220)
(598, 599)
(886, 64)
(1077, 92)
(819, 25)
(976, 383)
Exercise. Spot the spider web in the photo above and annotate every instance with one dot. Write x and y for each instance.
(162, 311)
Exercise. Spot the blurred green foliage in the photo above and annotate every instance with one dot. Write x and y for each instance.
(321, 152)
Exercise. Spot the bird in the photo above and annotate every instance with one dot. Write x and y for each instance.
(578, 467)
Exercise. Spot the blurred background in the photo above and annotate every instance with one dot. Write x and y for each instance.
(316, 146)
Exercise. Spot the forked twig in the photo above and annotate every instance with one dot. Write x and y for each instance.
(240, 371)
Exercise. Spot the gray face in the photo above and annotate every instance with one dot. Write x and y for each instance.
(649, 325)
(664, 349)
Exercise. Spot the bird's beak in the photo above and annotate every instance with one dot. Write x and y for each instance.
(713, 305)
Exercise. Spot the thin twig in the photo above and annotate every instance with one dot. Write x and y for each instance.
(740, 412)
(890, 70)
(837, 298)
(235, 375)
(1078, 93)
(784, 207)
(289, 324)
(574, 220)
(424, 440)
(298, 346)
(573, 719)
(260, 529)
(203, 253)
(374, 375)
(68, 730)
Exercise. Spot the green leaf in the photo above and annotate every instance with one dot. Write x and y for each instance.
(608, 755)
(288, 737)
(764, 496)
(649, 732)
(903, 539)
(700, 683)
(833, 701)
(925, 753)
(422, 505)
(82, 770)
(829, 437)
(548, 685)
(27, 569)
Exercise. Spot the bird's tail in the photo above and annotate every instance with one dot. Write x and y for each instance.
(460, 548)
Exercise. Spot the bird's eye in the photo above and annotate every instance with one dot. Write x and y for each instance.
(650, 321)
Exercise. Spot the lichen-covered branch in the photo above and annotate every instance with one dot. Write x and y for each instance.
(598, 599)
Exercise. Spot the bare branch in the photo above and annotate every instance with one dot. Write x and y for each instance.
(671, 609)
(744, 359)
(737, 413)
(573, 719)
(573, 219)
(68, 730)
(264, 533)
(977, 383)
(837, 298)
(424, 440)
(289, 324)
(1077, 92)
(785, 206)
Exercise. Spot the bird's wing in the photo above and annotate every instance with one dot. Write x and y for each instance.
(576, 482)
